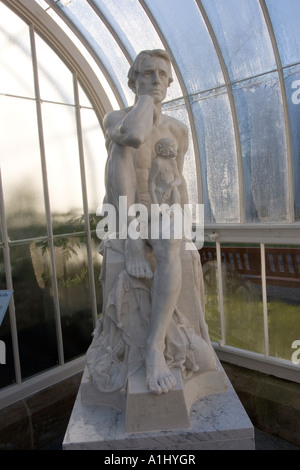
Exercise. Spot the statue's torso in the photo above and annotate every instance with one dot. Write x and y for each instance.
(145, 155)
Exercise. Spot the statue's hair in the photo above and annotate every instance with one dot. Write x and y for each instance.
(135, 68)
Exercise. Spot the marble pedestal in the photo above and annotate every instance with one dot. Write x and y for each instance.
(217, 422)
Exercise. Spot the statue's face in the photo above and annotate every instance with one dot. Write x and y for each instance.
(153, 78)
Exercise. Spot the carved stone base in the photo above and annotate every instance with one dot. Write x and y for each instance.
(217, 422)
(145, 411)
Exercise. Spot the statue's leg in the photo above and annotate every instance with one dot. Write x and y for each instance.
(166, 286)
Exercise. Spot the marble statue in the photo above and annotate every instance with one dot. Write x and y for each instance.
(153, 297)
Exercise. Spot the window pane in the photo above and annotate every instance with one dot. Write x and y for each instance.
(86, 54)
(178, 110)
(21, 169)
(33, 295)
(208, 256)
(263, 140)
(184, 29)
(7, 376)
(283, 291)
(95, 155)
(243, 308)
(74, 294)
(97, 34)
(285, 16)
(136, 31)
(129, 17)
(16, 72)
(63, 166)
(55, 79)
(243, 36)
(220, 183)
(292, 84)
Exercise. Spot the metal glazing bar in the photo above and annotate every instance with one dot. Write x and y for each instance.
(9, 283)
(47, 200)
(85, 203)
(264, 297)
(221, 295)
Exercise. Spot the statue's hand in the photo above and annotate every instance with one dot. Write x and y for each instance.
(166, 195)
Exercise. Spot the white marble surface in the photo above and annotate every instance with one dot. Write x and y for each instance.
(217, 422)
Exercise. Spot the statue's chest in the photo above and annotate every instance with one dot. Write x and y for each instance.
(146, 153)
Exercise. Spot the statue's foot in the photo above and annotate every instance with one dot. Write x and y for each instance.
(137, 264)
(159, 378)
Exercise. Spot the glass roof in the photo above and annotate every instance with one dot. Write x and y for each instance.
(236, 66)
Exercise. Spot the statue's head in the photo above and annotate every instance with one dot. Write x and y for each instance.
(166, 147)
(136, 66)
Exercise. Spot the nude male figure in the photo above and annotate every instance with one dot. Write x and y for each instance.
(131, 135)
(164, 177)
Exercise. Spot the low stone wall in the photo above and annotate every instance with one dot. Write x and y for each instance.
(272, 404)
(36, 421)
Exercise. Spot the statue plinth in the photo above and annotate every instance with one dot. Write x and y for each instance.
(144, 411)
(216, 421)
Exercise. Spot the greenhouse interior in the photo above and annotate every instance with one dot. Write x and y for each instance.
(236, 86)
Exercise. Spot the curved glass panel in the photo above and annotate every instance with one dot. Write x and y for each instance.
(187, 36)
(285, 16)
(136, 31)
(178, 110)
(292, 85)
(100, 39)
(243, 36)
(86, 54)
(131, 22)
(263, 140)
(15, 49)
(214, 127)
